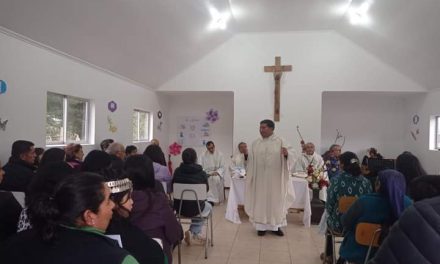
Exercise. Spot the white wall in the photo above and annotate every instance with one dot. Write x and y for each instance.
(30, 71)
(424, 106)
(184, 104)
(322, 61)
(366, 119)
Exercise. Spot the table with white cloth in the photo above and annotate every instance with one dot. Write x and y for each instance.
(236, 197)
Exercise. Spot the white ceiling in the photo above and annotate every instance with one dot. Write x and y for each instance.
(150, 41)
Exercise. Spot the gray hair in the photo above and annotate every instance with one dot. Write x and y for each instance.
(114, 148)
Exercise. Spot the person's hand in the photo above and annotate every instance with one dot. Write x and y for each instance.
(284, 152)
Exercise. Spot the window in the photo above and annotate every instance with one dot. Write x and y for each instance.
(141, 125)
(67, 119)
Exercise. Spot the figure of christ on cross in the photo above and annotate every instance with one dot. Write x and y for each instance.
(277, 70)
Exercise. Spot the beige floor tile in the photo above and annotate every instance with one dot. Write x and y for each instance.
(240, 244)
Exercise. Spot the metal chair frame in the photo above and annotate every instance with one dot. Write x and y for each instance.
(192, 192)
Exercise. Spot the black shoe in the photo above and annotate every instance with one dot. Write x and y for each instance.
(261, 233)
(279, 232)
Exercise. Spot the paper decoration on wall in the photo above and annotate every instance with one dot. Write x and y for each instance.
(416, 119)
(193, 131)
(174, 149)
(3, 87)
(159, 126)
(112, 106)
(3, 124)
(339, 136)
(159, 114)
(212, 115)
(111, 126)
(414, 134)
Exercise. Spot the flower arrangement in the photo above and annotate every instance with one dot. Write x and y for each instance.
(316, 179)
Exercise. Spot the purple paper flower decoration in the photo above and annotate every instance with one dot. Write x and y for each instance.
(112, 106)
(212, 115)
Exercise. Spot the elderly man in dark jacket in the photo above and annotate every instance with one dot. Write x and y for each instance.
(415, 238)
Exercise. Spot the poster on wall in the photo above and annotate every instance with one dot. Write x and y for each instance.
(193, 131)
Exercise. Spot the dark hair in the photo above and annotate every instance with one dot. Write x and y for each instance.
(210, 143)
(424, 187)
(351, 163)
(71, 198)
(105, 143)
(409, 165)
(96, 160)
(114, 175)
(155, 153)
(20, 147)
(129, 149)
(139, 169)
(189, 156)
(238, 146)
(38, 153)
(47, 178)
(333, 146)
(71, 150)
(52, 155)
(374, 152)
(268, 123)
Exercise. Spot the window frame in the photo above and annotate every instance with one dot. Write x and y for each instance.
(87, 121)
(148, 122)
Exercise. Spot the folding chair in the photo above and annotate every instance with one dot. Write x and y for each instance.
(367, 234)
(344, 204)
(197, 193)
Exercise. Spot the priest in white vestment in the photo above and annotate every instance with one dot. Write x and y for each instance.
(269, 190)
(239, 162)
(309, 161)
(213, 164)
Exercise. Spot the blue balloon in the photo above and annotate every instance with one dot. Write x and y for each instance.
(2, 87)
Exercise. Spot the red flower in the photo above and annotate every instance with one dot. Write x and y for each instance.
(175, 149)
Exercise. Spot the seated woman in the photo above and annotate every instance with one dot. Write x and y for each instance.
(68, 226)
(151, 210)
(52, 155)
(48, 176)
(74, 155)
(161, 171)
(409, 165)
(191, 173)
(350, 182)
(142, 247)
(414, 238)
(383, 207)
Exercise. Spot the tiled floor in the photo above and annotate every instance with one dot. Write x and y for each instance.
(239, 244)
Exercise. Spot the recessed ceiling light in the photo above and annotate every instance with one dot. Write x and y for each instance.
(358, 15)
(219, 20)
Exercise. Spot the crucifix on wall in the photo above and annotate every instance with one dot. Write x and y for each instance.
(277, 71)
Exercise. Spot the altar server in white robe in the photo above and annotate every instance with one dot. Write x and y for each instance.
(239, 161)
(213, 164)
(269, 190)
(309, 161)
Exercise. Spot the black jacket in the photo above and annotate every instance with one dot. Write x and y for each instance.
(415, 238)
(143, 248)
(18, 175)
(69, 246)
(10, 211)
(190, 174)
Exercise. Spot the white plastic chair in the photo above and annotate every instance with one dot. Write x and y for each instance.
(197, 193)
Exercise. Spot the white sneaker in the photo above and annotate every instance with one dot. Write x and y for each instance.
(199, 239)
(187, 238)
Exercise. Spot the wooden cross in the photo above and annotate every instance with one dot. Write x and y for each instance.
(277, 70)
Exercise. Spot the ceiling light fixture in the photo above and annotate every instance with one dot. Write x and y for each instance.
(219, 20)
(359, 15)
